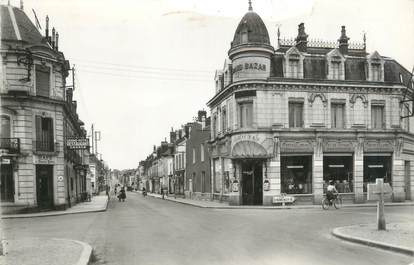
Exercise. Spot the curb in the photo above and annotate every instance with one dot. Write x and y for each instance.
(372, 243)
(16, 216)
(278, 207)
(86, 253)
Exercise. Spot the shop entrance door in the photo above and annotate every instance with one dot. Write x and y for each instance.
(252, 176)
(7, 183)
(44, 186)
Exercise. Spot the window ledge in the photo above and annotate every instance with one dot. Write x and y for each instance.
(317, 125)
(358, 126)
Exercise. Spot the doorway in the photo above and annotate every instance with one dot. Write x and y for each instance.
(44, 186)
(6, 183)
(251, 186)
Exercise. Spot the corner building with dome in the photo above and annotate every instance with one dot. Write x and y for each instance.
(286, 121)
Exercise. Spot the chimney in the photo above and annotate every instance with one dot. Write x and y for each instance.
(180, 134)
(173, 136)
(343, 41)
(53, 38)
(47, 29)
(57, 41)
(21, 4)
(201, 114)
(155, 148)
(302, 38)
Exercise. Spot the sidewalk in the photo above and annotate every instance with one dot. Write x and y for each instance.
(225, 205)
(46, 251)
(399, 237)
(98, 204)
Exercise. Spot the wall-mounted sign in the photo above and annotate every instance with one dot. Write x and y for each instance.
(338, 146)
(379, 146)
(77, 143)
(249, 66)
(5, 161)
(60, 178)
(290, 146)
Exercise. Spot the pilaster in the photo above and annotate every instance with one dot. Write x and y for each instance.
(359, 171)
(317, 171)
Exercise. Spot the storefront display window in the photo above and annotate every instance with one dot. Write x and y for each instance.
(296, 174)
(339, 170)
(377, 167)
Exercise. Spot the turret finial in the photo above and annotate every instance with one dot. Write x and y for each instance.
(250, 6)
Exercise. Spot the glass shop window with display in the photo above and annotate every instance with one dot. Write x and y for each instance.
(338, 169)
(296, 174)
(376, 166)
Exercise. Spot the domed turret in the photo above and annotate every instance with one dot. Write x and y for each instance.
(251, 30)
(250, 50)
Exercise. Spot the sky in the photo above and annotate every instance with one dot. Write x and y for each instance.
(146, 66)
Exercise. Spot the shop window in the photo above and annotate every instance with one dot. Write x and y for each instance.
(42, 80)
(377, 117)
(246, 114)
(338, 115)
(296, 174)
(295, 115)
(338, 169)
(377, 167)
(202, 152)
(44, 134)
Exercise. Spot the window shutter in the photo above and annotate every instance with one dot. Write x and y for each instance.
(42, 80)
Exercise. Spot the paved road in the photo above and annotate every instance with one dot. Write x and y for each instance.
(153, 231)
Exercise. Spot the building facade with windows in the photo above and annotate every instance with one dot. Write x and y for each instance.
(287, 120)
(198, 176)
(37, 115)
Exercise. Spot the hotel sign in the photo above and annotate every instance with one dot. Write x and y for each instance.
(77, 143)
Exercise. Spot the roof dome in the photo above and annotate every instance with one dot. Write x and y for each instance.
(251, 30)
(16, 26)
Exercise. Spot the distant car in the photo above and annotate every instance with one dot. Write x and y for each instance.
(129, 188)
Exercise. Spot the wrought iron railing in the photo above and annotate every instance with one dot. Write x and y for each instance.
(45, 146)
(12, 145)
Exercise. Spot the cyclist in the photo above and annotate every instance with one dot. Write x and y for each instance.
(331, 191)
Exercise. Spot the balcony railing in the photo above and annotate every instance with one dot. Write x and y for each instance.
(12, 145)
(45, 146)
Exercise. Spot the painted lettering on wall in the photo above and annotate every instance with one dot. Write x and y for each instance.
(249, 66)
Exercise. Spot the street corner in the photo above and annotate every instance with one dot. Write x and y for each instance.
(398, 237)
(34, 251)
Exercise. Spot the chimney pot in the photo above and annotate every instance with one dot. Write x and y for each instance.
(57, 41)
(47, 28)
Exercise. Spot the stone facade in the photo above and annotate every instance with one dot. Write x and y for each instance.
(288, 120)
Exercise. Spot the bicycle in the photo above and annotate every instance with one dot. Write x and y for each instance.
(336, 202)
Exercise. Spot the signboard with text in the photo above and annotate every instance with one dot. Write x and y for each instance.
(77, 143)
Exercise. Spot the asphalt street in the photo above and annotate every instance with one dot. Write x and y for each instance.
(154, 231)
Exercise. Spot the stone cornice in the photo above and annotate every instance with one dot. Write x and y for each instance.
(309, 86)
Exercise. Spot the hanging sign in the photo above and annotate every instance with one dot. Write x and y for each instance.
(77, 143)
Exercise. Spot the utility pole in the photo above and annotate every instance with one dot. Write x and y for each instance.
(92, 133)
(73, 77)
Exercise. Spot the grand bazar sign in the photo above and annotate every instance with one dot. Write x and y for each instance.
(249, 66)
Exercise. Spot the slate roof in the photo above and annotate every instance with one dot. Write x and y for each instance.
(257, 31)
(28, 31)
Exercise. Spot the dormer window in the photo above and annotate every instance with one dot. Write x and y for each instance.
(375, 71)
(243, 36)
(294, 68)
(375, 67)
(336, 65)
(401, 79)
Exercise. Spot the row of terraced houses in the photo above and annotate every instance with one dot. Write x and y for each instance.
(288, 120)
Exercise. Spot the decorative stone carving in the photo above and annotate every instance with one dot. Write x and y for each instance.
(354, 97)
(312, 97)
(399, 143)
